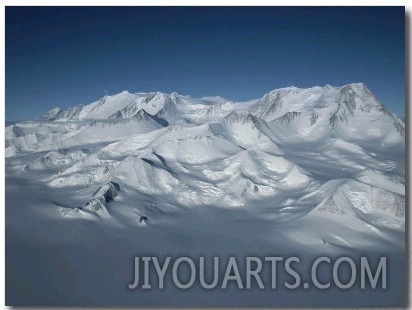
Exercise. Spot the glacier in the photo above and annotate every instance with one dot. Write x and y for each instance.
(317, 171)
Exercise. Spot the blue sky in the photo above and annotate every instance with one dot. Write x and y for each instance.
(65, 56)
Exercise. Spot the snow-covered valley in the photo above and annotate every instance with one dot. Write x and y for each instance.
(305, 172)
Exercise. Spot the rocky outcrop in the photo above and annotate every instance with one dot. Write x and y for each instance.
(104, 194)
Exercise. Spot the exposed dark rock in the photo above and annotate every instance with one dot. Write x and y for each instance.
(107, 192)
(102, 195)
(314, 117)
(143, 220)
(289, 116)
(94, 205)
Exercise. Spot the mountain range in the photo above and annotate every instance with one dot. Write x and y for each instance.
(326, 165)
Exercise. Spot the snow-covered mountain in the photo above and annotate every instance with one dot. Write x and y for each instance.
(214, 151)
(324, 157)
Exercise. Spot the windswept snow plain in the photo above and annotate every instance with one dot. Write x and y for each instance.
(299, 172)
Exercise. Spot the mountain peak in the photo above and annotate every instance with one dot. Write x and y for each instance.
(359, 88)
(336, 103)
(356, 85)
(52, 114)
